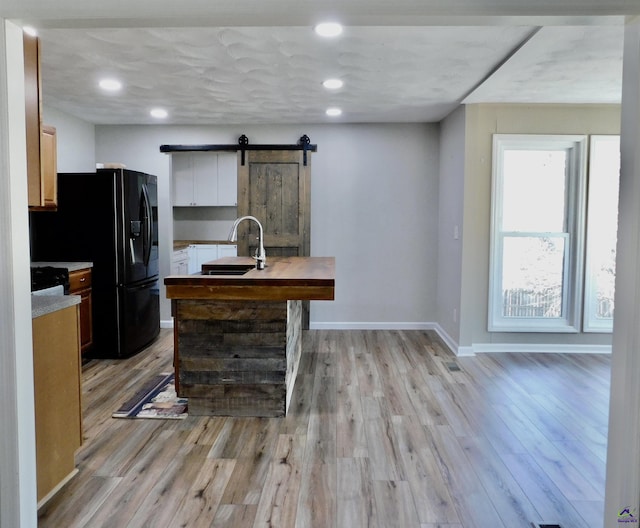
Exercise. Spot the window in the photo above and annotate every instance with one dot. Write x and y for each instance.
(602, 231)
(545, 242)
(537, 233)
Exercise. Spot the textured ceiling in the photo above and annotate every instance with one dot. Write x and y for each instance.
(256, 61)
(244, 75)
(560, 65)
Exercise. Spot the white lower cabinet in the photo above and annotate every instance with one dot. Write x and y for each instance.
(201, 253)
(227, 250)
(180, 262)
(204, 253)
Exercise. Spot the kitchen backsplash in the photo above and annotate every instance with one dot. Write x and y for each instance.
(203, 223)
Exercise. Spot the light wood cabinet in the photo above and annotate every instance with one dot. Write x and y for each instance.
(49, 167)
(204, 179)
(41, 139)
(58, 409)
(80, 284)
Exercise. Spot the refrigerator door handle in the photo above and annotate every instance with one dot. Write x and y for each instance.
(147, 224)
(133, 253)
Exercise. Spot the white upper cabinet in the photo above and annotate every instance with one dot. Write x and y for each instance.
(228, 178)
(204, 178)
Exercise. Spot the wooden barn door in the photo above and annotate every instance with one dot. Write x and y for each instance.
(275, 187)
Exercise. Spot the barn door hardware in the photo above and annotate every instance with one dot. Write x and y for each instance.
(243, 141)
(304, 144)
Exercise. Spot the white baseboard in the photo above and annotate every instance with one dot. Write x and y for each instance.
(481, 348)
(452, 343)
(166, 324)
(334, 325)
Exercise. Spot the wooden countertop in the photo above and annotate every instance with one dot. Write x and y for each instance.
(182, 244)
(284, 278)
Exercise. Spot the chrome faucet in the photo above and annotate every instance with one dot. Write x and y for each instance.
(260, 256)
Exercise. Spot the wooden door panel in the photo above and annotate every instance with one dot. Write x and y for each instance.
(275, 187)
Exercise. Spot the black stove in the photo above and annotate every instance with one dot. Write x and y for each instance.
(47, 276)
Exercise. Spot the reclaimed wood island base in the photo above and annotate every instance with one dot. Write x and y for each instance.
(238, 339)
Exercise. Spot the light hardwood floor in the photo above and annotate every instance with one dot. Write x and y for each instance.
(381, 433)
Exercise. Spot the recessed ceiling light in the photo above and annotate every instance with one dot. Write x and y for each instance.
(30, 30)
(334, 112)
(110, 85)
(328, 29)
(333, 84)
(159, 113)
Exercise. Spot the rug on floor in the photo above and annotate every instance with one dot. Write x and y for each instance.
(157, 398)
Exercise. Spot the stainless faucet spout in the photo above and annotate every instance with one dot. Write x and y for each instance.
(260, 256)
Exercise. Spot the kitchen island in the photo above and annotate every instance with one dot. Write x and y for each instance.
(238, 332)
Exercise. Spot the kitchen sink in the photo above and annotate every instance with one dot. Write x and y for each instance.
(226, 269)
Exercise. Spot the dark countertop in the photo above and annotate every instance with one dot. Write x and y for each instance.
(284, 278)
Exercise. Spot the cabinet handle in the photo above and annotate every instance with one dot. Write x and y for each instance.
(83, 279)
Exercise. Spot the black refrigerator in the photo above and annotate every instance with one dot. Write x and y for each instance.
(108, 217)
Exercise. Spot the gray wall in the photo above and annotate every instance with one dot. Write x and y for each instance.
(75, 139)
(374, 206)
(386, 201)
(451, 214)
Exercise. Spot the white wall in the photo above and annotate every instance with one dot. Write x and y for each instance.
(75, 140)
(374, 206)
(17, 429)
(623, 451)
(451, 214)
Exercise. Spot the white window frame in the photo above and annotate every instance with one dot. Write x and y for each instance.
(570, 320)
(591, 323)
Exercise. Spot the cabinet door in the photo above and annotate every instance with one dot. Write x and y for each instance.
(180, 262)
(80, 284)
(205, 178)
(183, 267)
(49, 166)
(86, 320)
(191, 263)
(227, 250)
(182, 174)
(205, 253)
(228, 178)
(32, 123)
(57, 396)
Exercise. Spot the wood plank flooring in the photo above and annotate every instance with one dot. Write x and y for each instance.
(381, 433)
